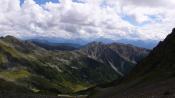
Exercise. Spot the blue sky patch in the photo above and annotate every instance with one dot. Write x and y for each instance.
(41, 1)
(130, 19)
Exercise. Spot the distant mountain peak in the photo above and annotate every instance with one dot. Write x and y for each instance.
(95, 43)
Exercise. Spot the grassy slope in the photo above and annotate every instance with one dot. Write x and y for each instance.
(42, 71)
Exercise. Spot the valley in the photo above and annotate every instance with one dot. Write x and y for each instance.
(96, 70)
(44, 71)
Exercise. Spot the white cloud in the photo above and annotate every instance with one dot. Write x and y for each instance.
(88, 19)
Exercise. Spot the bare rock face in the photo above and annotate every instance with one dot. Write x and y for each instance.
(119, 56)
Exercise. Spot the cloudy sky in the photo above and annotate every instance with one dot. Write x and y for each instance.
(88, 19)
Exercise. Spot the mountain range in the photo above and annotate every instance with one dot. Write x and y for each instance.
(148, 44)
(55, 46)
(152, 76)
(30, 67)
